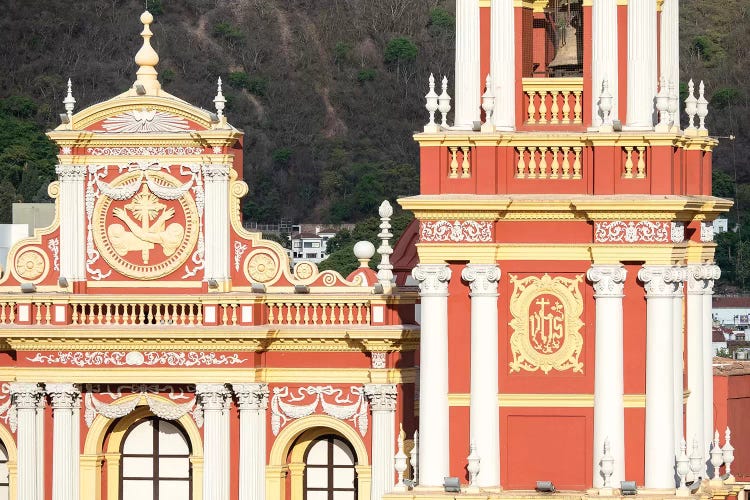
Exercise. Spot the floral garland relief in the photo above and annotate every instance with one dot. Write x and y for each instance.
(341, 408)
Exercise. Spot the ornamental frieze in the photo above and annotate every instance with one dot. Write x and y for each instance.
(638, 232)
(467, 231)
(94, 359)
(546, 324)
(302, 402)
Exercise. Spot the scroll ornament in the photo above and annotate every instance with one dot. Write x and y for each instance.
(162, 409)
(340, 408)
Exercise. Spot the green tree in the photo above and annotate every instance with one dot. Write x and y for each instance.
(400, 50)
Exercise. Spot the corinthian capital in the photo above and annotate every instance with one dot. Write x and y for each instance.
(216, 172)
(251, 396)
(432, 278)
(661, 281)
(64, 396)
(382, 396)
(482, 279)
(212, 396)
(26, 395)
(71, 172)
(608, 280)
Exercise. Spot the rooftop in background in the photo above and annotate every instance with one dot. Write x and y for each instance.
(727, 367)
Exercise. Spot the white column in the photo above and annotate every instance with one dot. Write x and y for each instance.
(72, 222)
(216, 222)
(433, 373)
(503, 63)
(677, 357)
(252, 401)
(65, 450)
(26, 398)
(669, 42)
(604, 64)
(41, 404)
(609, 412)
(660, 284)
(695, 366)
(215, 464)
(467, 89)
(382, 399)
(642, 77)
(484, 412)
(713, 273)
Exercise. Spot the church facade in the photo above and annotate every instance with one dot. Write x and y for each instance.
(544, 323)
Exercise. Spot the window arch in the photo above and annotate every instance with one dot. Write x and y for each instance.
(4, 473)
(330, 469)
(155, 463)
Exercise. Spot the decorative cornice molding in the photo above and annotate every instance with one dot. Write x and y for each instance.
(69, 173)
(382, 397)
(433, 279)
(482, 279)
(608, 281)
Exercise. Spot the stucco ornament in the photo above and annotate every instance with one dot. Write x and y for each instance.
(546, 324)
(144, 120)
(30, 264)
(145, 223)
(286, 405)
(262, 267)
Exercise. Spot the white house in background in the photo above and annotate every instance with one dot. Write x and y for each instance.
(721, 225)
(311, 246)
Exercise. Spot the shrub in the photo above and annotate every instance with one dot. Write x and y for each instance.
(441, 18)
(254, 84)
(366, 75)
(400, 50)
(282, 155)
(238, 79)
(155, 7)
(341, 51)
(228, 32)
(167, 76)
(728, 96)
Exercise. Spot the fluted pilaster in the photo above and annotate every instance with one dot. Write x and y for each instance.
(213, 399)
(252, 401)
(382, 398)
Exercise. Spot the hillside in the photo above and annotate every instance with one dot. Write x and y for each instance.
(328, 92)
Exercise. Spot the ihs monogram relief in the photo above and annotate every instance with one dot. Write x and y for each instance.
(144, 223)
(546, 324)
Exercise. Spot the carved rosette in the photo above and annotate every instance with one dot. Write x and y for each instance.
(660, 281)
(482, 279)
(378, 360)
(26, 395)
(31, 264)
(467, 231)
(212, 396)
(251, 396)
(64, 396)
(546, 324)
(382, 397)
(608, 281)
(433, 279)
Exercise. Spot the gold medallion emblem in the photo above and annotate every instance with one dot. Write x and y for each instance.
(546, 324)
(150, 233)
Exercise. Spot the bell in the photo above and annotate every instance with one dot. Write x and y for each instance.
(567, 50)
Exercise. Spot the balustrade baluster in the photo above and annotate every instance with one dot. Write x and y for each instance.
(578, 109)
(315, 313)
(555, 163)
(453, 174)
(306, 316)
(465, 163)
(543, 120)
(359, 313)
(234, 314)
(2, 312)
(543, 162)
(12, 314)
(38, 315)
(641, 168)
(555, 110)
(566, 162)
(521, 168)
(531, 109)
(288, 313)
(532, 162)
(567, 118)
(48, 313)
(367, 313)
(577, 162)
(324, 316)
(628, 162)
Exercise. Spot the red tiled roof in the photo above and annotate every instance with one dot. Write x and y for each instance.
(726, 367)
(731, 301)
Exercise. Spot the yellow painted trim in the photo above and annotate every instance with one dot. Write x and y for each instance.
(485, 3)
(548, 84)
(144, 284)
(277, 462)
(548, 400)
(10, 446)
(94, 455)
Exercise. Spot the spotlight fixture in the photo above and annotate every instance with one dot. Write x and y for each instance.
(378, 288)
(214, 117)
(213, 284)
(28, 287)
(62, 282)
(140, 89)
(259, 288)
(616, 125)
(545, 487)
(628, 488)
(301, 289)
(451, 485)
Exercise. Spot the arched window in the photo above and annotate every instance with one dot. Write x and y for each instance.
(330, 472)
(155, 462)
(4, 474)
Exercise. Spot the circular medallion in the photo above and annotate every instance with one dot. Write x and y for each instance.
(261, 267)
(30, 264)
(134, 358)
(145, 226)
(305, 270)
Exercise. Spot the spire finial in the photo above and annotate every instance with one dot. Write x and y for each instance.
(220, 101)
(69, 103)
(147, 58)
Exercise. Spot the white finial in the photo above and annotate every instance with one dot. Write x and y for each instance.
(605, 107)
(220, 101)
(147, 59)
(717, 457)
(728, 456)
(662, 106)
(691, 108)
(488, 105)
(682, 469)
(399, 463)
(69, 103)
(432, 106)
(607, 465)
(385, 268)
(696, 461)
(702, 109)
(444, 104)
(473, 462)
(674, 107)
(363, 251)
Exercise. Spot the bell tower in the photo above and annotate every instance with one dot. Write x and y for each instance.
(565, 250)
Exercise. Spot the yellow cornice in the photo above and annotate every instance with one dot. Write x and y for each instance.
(653, 254)
(89, 139)
(699, 253)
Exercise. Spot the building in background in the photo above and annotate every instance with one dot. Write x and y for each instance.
(312, 246)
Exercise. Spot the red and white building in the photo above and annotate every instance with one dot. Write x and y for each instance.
(546, 318)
